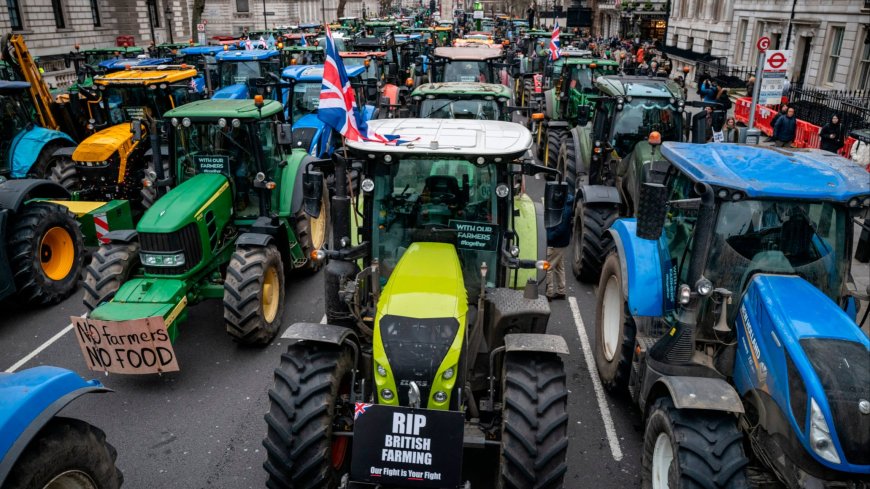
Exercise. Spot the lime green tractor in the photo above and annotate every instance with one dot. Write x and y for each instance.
(230, 228)
(435, 341)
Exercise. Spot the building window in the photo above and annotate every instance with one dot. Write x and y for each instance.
(57, 8)
(691, 43)
(834, 53)
(14, 15)
(741, 41)
(95, 12)
(242, 6)
(863, 71)
(153, 13)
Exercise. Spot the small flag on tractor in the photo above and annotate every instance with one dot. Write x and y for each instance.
(555, 52)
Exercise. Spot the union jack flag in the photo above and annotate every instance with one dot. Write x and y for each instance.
(555, 52)
(337, 108)
(359, 409)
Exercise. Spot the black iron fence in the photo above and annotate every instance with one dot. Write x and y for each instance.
(818, 106)
(724, 75)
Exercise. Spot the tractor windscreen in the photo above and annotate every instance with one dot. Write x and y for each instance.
(779, 237)
(127, 102)
(641, 116)
(467, 71)
(443, 108)
(371, 71)
(306, 99)
(239, 72)
(437, 200)
(16, 113)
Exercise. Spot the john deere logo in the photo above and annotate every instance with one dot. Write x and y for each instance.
(864, 406)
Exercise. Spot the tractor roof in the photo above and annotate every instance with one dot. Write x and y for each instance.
(114, 49)
(468, 54)
(463, 88)
(638, 86)
(217, 108)
(538, 33)
(247, 55)
(362, 54)
(609, 63)
(152, 75)
(199, 50)
(13, 87)
(381, 23)
(449, 137)
(313, 73)
(770, 173)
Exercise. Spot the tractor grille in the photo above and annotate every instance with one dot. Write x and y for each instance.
(415, 349)
(185, 240)
(843, 368)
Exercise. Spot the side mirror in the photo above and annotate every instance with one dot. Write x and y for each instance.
(312, 192)
(583, 115)
(652, 210)
(285, 134)
(555, 196)
(136, 129)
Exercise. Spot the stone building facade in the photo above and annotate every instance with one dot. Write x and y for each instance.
(231, 17)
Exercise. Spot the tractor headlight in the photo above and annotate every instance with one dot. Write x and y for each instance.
(704, 287)
(387, 394)
(440, 396)
(174, 122)
(162, 259)
(820, 435)
(448, 374)
(382, 371)
(222, 123)
(685, 294)
(236, 123)
(502, 190)
(185, 122)
(367, 185)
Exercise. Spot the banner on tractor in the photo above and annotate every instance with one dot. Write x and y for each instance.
(411, 447)
(212, 164)
(472, 235)
(138, 346)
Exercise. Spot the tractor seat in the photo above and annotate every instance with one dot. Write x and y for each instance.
(796, 239)
(443, 185)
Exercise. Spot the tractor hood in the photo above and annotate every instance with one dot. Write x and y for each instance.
(799, 346)
(233, 92)
(426, 283)
(101, 145)
(183, 203)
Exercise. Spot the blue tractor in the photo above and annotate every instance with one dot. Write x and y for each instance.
(727, 313)
(41, 449)
(301, 87)
(240, 70)
(204, 59)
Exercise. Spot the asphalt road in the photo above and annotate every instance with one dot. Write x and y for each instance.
(203, 426)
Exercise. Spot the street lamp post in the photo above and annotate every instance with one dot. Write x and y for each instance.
(265, 18)
(168, 14)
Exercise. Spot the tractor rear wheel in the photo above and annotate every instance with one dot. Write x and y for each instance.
(615, 330)
(67, 453)
(313, 233)
(110, 267)
(45, 253)
(60, 169)
(567, 162)
(555, 137)
(254, 294)
(591, 241)
(305, 405)
(690, 449)
(534, 433)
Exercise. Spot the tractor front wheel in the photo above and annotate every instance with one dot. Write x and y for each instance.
(60, 168)
(534, 433)
(305, 405)
(692, 448)
(591, 241)
(254, 294)
(67, 453)
(567, 162)
(555, 137)
(110, 267)
(45, 253)
(615, 329)
(313, 232)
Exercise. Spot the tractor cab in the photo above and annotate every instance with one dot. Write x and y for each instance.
(111, 65)
(428, 37)
(204, 59)
(300, 91)
(238, 70)
(172, 50)
(535, 48)
(572, 85)
(443, 35)
(86, 62)
(310, 28)
(379, 28)
(373, 77)
(395, 63)
(353, 24)
(458, 100)
(467, 65)
(109, 163)
(301, 49)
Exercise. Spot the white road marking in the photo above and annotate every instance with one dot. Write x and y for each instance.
(40, 348)
(609, 429)
(323, 319)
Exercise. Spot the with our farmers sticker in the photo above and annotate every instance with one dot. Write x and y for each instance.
(478, 236)
(137, 346)
(212, 164)
(408, 447)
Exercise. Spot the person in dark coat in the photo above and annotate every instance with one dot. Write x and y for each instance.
(558, 239)
(785, 129)
(782, 111)
(831, 135)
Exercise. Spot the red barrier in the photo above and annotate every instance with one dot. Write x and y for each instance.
(806, 135)
(847, 148)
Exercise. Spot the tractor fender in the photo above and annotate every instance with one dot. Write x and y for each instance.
(291, 182)
(254, 239)
(551, 105)
(599, 194)
(28, 145)
(31, 398)
(319, 333)
(13, 193)
(640, 262)
(582, 150)
(696, 393)
(121, 236)
(532, 238)
(64, 151)
(543, 343)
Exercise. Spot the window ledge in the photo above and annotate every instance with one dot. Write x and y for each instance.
(65, 29)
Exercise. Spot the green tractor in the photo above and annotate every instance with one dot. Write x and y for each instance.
(436, 339)
(570, 87)
(463, 100)
(229, 228)
(602, 161)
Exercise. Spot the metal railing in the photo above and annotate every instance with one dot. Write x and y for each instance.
(818, 106)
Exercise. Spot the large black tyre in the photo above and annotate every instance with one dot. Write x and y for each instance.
(301, 452)
(254, 294)
(45, 253)
(149, 194)
(60, 169)
(567, 162)
(312, 233)
(689, 449)
(534, 437)
(110, 266)
(591, 241)
(615, 330)
(68, 453)
(555, 137)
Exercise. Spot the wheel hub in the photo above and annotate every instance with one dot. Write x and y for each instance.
(663, 457)
(71, 479)
(271, 294)
(57, 253)
(611, 317)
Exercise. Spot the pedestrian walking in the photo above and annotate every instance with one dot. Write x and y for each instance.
(558, 239)
(708, 90)
(724, 99)
(831, 135)
(782, 111)
(785, 129)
